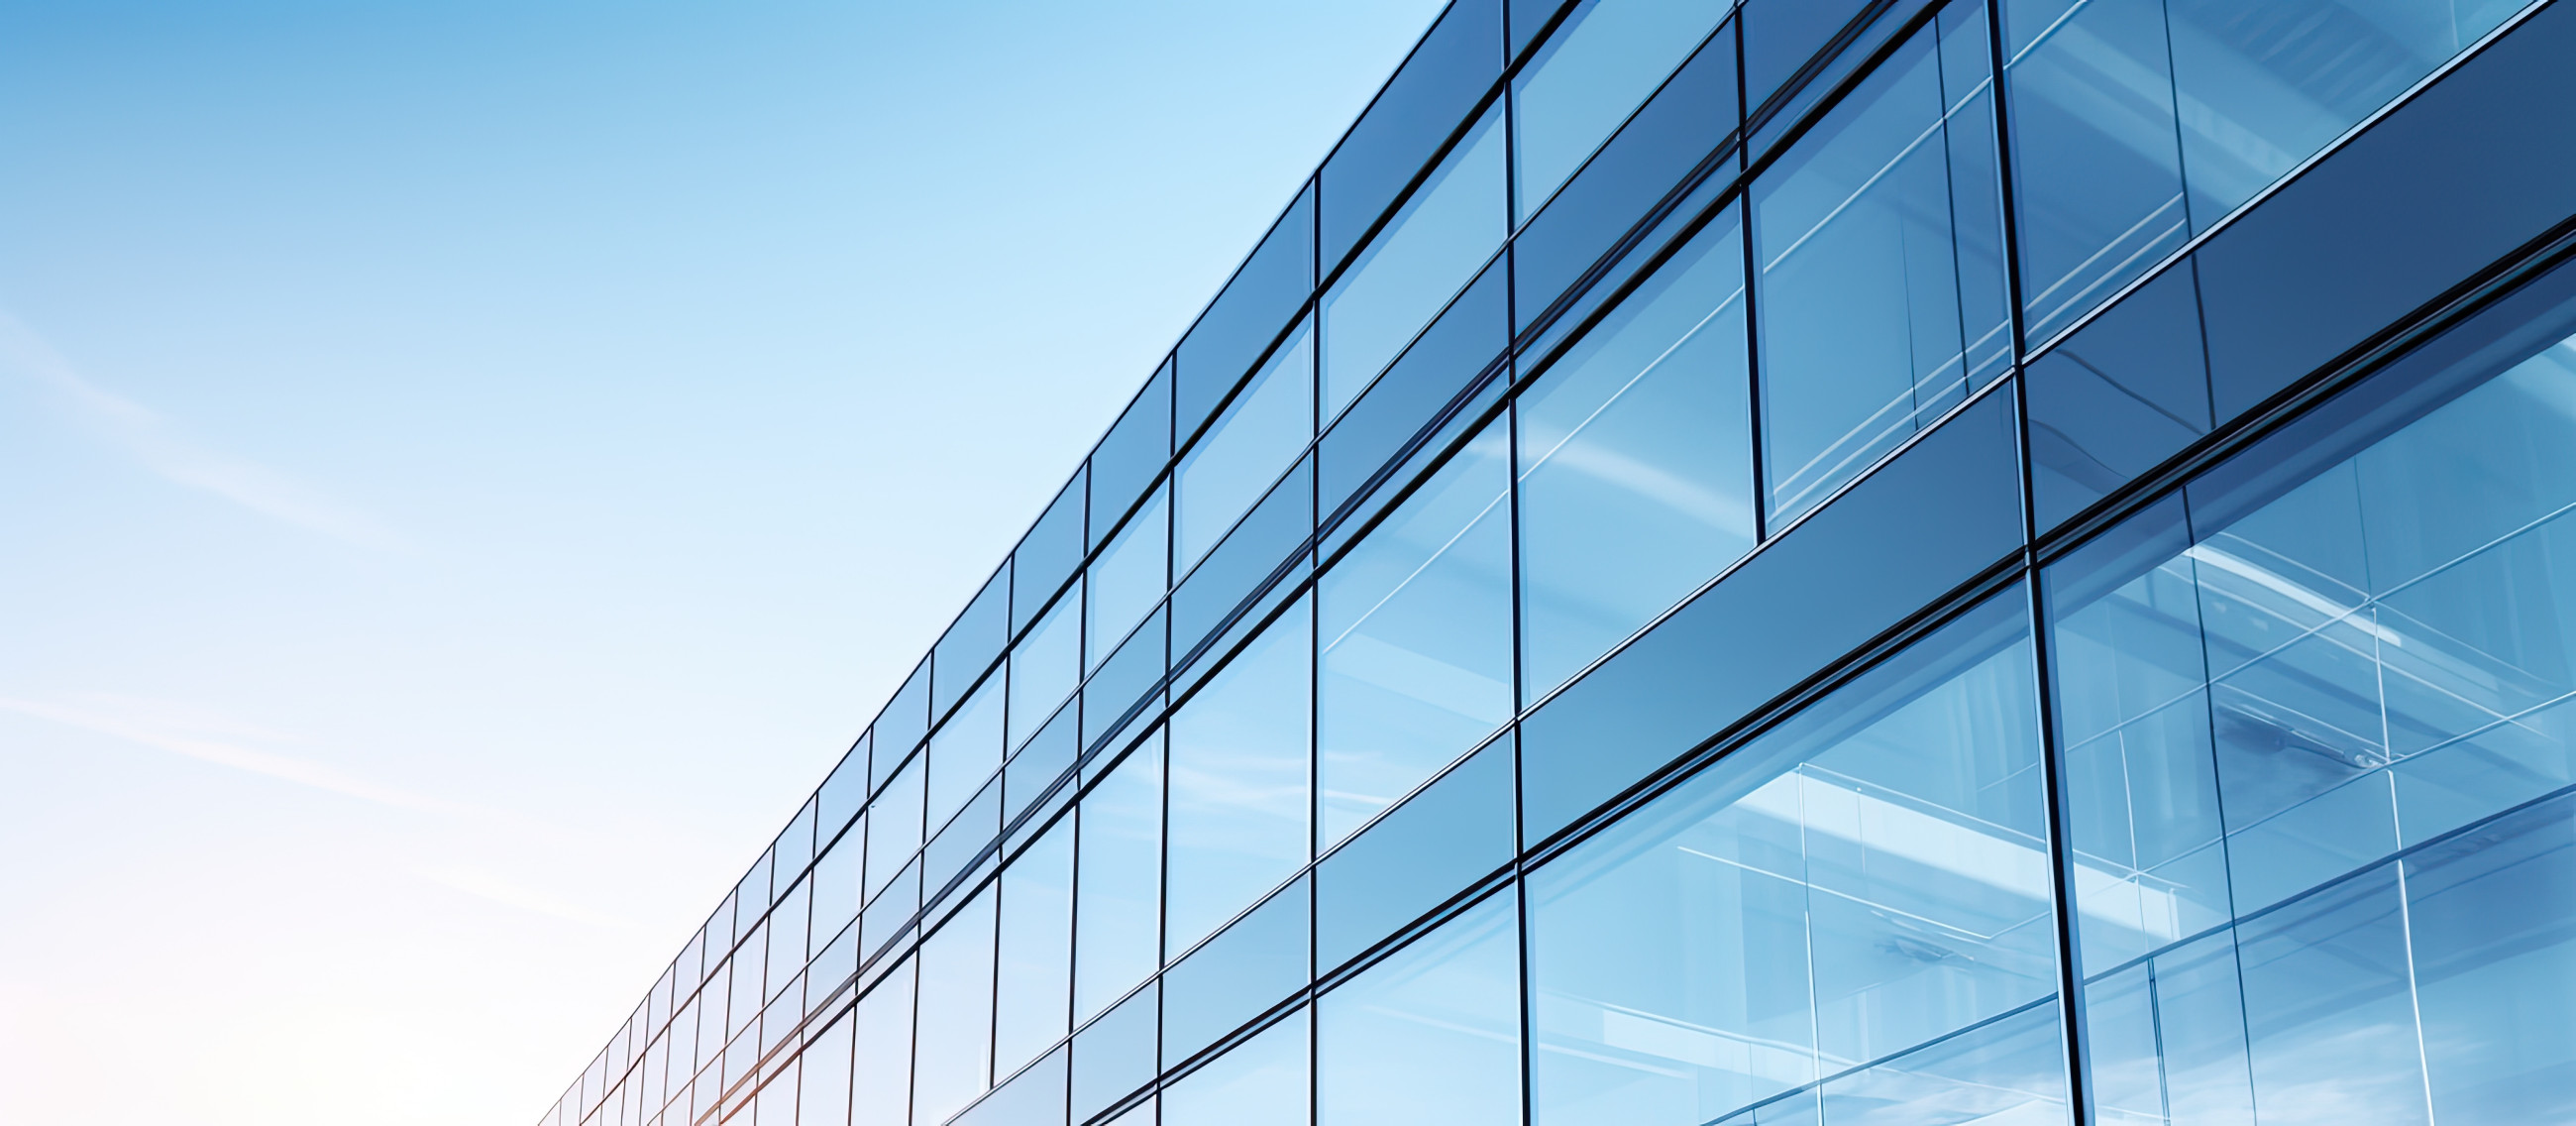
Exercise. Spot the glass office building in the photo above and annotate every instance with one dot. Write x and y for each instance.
(1782, 562)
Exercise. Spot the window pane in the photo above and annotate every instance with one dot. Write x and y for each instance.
(894, 827)
(1239, 769)
(1258, 962)
(881, 1075)
(954, 1037)
(2494, 940)
(1261, 432)
(1120, 850)
(1432, 1035)
(824, 1099)
(1034, 958)
(1598, 66)
(1636, 462)
(1115, 1055)
(1262, 1082)
(1866, 878)
(1046, 666)
(1882, 289)
(965, 752)
(1414, 638)
(1431, 249)
(1128, 579)
(1430, 848)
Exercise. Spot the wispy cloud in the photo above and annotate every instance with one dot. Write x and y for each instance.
(196, 737)
(156, 442)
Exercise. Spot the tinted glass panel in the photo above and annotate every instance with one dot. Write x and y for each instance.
(1034, 958)
(1430, 1035)
(1928, 522)
(1267, 538)
(1869, 877)
(1683, 125)
(971, 643)
(1238, 815)
(1254, 964)
(967, 750)
(2117, 398)
(1260, 434)
(1131, 454)
(1263, 297)
(1045, 667)
(881, 1074)
(1119, 881)
(1115, 1055)
(1598, 66)
(1413, 638)
(1128, 578)
(894, 826)
(1879, 247)
(1430, 848)
(1636, 462)
(1429, 250)
(904, 722)
(953, 1036)
(1049, 554)
(1431, 373)
(1427, 99)
(1123, 679)
(1264, 1081)
(1781, 35)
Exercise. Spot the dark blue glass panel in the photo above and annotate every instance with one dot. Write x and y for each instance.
(1925, 523)
(1042, 760)
(1426, 101)
(1035, 1098)
(843, 794)
(1255, 307)
(902, 725)
(1247, 555)
(1049, 554)
(2129, 391)
(972, 643)
(1128, 457)
(1115, 1055)
(1451, 834)
(1679, 127)
(1781, 35)
(1254, 964)
(2474, 167)
(1527, 18)
(956, 845)
(1592, 74)
(1122, 679)
(1439, 364)
(1881, 298)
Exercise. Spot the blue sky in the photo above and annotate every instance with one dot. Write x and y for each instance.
(468, 468)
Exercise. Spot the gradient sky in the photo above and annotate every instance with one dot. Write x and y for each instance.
(467, 469)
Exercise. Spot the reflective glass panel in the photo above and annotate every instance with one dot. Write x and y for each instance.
(1239, 770)
(1261, 1082)
(1604, 60)
(1117, 926)
(1128, 578)
(1033, 962)
(967, 750)
(894, 827)
(1636, 461)
(1414, 638)
(1261, 432)
(1046, 666)
(953, 1039)
(1431, 248)
(881, 1073)
(1879, 244)
(1432, 1035)
(1869, 877)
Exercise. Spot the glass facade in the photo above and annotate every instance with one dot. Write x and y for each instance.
(1777, 562)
